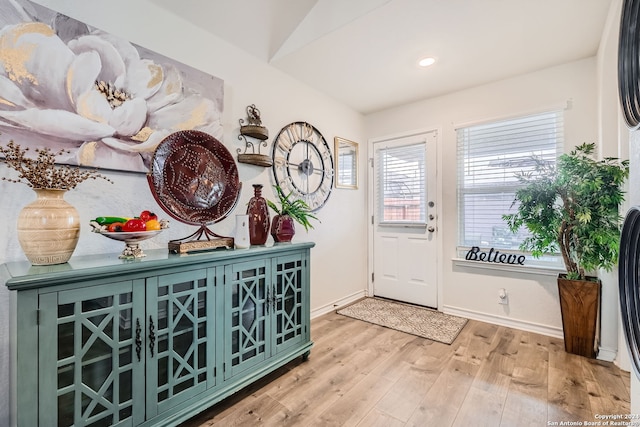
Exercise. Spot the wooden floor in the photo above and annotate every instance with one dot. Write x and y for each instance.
(360, 374)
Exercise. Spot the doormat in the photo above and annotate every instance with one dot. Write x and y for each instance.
(420, 321)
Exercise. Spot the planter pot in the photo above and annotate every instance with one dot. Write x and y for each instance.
(48, 228)
(258, 217)
(580, 306)
(282, 228)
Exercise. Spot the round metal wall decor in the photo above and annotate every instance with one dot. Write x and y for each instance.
(629, 63)
(629, 285)
(194, 178)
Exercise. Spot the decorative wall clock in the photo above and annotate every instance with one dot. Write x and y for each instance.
(303, 164)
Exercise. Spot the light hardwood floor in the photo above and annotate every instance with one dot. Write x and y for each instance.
(360, 374)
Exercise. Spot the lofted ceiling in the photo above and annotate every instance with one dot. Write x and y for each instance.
(364, 53)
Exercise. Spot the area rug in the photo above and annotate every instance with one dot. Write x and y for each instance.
(408, 318)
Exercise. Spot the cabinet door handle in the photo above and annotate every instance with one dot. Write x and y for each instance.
(138, 338)
(152, 336)
(267, 302)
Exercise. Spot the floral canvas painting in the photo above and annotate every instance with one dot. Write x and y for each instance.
(66, 85)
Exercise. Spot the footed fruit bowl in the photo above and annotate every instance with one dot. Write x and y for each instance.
(131, 240)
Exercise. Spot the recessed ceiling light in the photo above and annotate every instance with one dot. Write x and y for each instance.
(425, 62)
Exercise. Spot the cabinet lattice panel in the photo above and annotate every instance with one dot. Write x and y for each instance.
(177, 341)
(95, 357)
(247, 310)
(289, 302)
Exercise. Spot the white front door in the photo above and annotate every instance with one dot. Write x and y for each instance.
(404, 219)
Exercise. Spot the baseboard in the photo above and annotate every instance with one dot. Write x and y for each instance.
(607, 354)
(504, 321)
(328, 308)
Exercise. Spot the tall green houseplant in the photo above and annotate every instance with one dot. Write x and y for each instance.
(572, 208)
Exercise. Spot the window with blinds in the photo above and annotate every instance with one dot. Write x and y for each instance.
(489, 156)
(401, 184)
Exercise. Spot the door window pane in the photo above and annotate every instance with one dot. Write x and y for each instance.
(402, 184)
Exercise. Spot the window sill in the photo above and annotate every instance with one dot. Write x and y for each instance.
(527, 269)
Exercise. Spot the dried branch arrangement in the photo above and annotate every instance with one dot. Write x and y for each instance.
(42, 172)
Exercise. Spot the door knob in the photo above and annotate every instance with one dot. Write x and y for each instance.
(431, 229)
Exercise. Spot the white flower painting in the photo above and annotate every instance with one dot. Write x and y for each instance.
(65, 85)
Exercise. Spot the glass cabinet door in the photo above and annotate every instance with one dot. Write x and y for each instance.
(246, 313)
(180, 348)
(290, 324)
(90, 339)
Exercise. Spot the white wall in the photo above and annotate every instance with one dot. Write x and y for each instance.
(338, 266)
(611, 128)
(533, 298)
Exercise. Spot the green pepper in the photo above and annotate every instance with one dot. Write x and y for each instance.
(106, 220)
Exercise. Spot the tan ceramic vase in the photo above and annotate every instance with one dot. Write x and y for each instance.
(48, 228)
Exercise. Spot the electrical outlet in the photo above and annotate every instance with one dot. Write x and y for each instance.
(503, 298)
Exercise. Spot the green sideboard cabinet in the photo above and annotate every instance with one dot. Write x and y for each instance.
(106, 342)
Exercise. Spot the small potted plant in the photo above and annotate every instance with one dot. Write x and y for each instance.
(290, 210)
(572, 208)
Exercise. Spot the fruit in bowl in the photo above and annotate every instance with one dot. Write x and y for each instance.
(153, 224)
(146, 221)
(134, 224)
(130, 230)
(147, 216)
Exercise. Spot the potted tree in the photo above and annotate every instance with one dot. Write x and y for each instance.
(290, 210)
(572, 208)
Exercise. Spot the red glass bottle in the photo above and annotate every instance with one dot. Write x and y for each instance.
(258, 212)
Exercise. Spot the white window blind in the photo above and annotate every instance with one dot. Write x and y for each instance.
(489, 156)
(401, 184)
